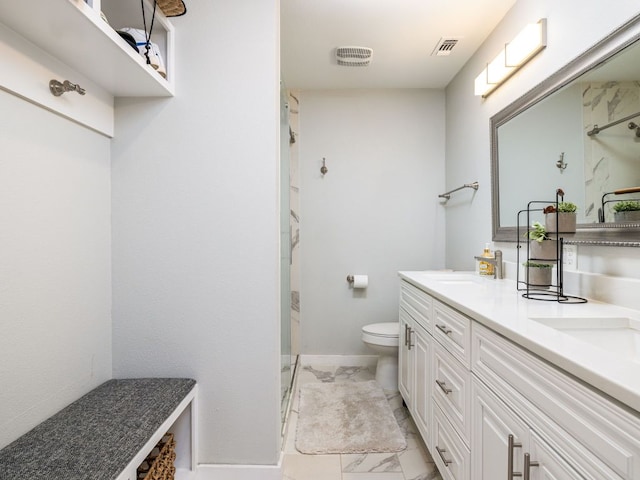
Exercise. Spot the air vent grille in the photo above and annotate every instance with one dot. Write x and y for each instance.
(354, 56)
(445, 46)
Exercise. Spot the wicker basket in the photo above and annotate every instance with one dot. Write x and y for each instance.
(172, 8)
(159, 463)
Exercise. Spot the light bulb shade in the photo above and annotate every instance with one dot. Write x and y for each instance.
(481, 86)
(516, 53)
(497, 70)
(526, 44)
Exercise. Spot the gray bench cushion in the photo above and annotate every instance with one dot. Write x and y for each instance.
(98, 435)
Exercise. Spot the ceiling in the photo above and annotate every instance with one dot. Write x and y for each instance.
(402, 34)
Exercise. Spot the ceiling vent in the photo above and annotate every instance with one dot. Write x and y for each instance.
(354, 56)
(445, 46)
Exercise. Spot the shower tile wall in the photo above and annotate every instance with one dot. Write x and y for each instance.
(294, 220)
(611, 156)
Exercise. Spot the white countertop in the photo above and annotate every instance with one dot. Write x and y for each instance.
(499, 306)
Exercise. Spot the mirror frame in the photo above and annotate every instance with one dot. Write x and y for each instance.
(609, 234)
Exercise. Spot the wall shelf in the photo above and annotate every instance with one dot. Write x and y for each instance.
(74, 33)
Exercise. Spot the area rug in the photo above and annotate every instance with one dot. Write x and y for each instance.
(350, 417)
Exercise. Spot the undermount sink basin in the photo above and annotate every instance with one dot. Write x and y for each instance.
(618, 336)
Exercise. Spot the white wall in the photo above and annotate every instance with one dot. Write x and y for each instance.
(196, 228)
(55, 264)
(375, 212)
(572, 28)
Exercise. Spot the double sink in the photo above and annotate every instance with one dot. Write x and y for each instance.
(619, 336)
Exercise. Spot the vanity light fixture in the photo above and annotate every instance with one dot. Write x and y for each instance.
(529, 42)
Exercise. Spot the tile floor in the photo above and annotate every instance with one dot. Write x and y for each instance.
(414, 463)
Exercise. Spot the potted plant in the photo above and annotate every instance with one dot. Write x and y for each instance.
(538, 274)
(563, 216)
(541, 246)
(627, 211)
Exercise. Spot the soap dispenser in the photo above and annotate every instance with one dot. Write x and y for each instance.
(486, 268)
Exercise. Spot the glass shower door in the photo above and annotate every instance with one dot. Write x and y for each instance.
(285, 258)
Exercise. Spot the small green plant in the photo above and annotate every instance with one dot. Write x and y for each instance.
(567, 207)
(529, 263)
(563, 207)
(627, 206)
(539, 232)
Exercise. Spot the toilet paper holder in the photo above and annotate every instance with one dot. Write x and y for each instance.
(358, 281)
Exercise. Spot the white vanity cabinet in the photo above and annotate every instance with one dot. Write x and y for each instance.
(502, 441)
(499, 412)
(415, 366)
(499, 436)
(433, 382)
(575, 431)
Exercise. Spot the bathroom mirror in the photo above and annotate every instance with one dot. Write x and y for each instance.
(576, 131)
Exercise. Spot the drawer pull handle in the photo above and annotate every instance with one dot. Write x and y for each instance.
(527, 466)
(443, 329)
(441, 452)
(411, 344)
(406, 334)
(443, 387)
(511, 445)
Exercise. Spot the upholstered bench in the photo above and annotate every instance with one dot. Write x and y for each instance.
(104, 435)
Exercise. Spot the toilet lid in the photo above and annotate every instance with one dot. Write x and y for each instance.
(387, 329)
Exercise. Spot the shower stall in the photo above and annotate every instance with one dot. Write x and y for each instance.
(287, 358)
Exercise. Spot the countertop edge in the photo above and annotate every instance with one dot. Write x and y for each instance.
(606, 382)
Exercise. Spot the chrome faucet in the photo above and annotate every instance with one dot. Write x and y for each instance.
(496, 261)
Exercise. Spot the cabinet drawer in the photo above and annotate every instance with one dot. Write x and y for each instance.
(453, 330)
(417, 303)
(567, 410)
(452, 390)
(449, 452)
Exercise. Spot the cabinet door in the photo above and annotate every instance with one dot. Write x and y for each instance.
(405, 359)
(422, 381)
(492, 454)
(547, 465)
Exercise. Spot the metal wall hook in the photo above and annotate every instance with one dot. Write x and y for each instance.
(58, 88)
(561, 164)
(323, 169)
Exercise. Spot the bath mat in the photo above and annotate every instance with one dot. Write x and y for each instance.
(351, 417)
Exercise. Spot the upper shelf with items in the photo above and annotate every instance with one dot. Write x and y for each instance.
(74, 32)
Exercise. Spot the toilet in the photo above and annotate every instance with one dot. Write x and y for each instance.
(382, 338)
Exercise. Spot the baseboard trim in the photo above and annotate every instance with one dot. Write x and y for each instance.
(340, 360)
(239, 472)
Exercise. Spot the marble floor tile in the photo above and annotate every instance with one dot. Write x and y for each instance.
(414, 463)
(371, 463)
(373, 476)
(311, 467)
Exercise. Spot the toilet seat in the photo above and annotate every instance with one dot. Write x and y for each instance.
(386, 333)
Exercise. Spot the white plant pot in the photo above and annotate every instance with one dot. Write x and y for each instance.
(630, 216)
(566, 222)
(545, 250)
(538, 276)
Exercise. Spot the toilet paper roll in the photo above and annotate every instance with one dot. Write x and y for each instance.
(360, 281)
